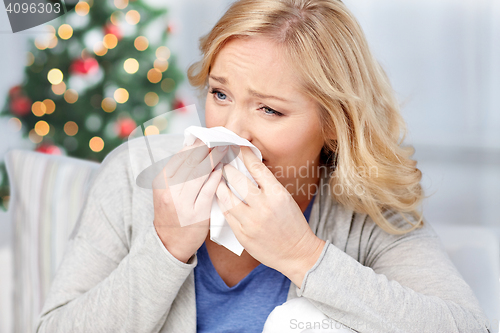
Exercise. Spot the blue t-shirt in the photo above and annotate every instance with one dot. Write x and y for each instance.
(243, 307)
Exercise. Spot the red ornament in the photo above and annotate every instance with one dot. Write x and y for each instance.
(179, 106)
(20, 105)
(125, 126)
(110, 28)
(15, 91)
(48, 149)
(84, 66)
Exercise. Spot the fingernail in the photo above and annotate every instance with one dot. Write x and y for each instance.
(221, 148)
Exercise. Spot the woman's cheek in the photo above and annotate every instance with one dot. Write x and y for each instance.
(210, 119)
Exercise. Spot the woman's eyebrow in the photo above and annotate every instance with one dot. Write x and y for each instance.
(224, 81)
(219, 79)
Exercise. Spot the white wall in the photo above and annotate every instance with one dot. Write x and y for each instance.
(12, 60)
(443, 58)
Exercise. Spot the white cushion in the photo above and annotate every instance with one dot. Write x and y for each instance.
(47, 193)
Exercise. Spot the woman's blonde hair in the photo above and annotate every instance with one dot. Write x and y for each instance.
(355, 98)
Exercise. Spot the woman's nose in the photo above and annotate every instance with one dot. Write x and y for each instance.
(239, 124)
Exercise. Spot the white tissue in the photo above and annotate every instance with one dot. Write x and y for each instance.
(220, 232)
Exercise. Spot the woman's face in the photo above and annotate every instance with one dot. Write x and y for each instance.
(286, 129)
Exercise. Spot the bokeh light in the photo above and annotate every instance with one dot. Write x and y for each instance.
(50, 106)
(42, 128)
(59, 89)
(96, 144)
(51, 29)
(121, 4)
(132, 17)
(55, 76)
(65, 31)
(161, 65)
(38, 109)
(108, 104)
(151, 130)
(154, 75)
(71, 96)
(131, 65)
(151, 99)
(35, 138)
(52, 42)
(42, 42)
(121, 95)
(15, 124)
(82, 8)
(110, 41)
(141, 43)
(161, 123)
(116, 17)
(100, 49)
(163, 53)
(70, 128)
(168, 85)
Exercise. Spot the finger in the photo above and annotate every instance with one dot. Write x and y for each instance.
(178, 158)
(259, 171)
(241, 184)
(170, 173)
(196, 155)
(199, 175)
(187, 190)
(230, 203)
(205, 198)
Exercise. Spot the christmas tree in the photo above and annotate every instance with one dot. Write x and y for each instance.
(100, 71)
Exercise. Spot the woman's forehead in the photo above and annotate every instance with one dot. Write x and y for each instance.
(260, 64)
(257, 50)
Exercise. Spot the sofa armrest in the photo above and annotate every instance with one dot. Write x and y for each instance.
(47, 194)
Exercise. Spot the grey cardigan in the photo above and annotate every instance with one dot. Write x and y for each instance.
(116, 275)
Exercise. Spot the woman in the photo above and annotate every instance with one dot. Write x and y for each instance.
(297, 80)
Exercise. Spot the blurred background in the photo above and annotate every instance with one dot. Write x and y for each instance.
(442, 57)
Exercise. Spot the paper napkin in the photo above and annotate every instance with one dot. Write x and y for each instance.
(220, 232)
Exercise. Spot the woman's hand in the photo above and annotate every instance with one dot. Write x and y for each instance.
(270, 226)
(183, 201)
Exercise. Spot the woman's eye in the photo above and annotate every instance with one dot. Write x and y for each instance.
(221, 95)
(268, 111)
(218, 94)
(271, 111)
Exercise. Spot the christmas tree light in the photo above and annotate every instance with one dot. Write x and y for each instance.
(91, 79)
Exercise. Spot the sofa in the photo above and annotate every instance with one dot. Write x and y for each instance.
(47, 193)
